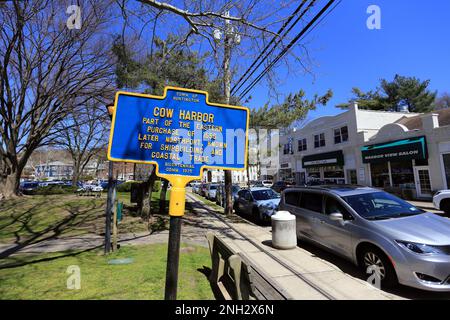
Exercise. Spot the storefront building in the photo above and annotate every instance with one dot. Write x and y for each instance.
(327, 149)
(411, 156)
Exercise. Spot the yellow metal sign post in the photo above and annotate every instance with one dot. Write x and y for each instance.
(181, 133)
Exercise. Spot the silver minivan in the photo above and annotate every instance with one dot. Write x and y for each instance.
(375, 229)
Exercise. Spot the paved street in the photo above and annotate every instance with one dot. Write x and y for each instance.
(336, 275)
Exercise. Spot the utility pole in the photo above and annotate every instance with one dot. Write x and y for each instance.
(230, 38)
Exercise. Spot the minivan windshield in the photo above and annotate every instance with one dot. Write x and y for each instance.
(265, 194)
(381, 205)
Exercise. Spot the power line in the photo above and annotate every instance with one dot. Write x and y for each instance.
(269, 44)
(286, 49)
(234, 89)
(321, 19)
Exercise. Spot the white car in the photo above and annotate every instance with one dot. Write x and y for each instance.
(441, 201)
(212, 191)
(267, 183)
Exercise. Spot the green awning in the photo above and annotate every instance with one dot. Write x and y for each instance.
(397, 150)
(323, 159)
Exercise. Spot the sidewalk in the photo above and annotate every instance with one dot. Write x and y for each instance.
(322, 273)
(425, 205)
(191, 235)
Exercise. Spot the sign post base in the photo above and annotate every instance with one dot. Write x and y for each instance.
(176, 211)
(173, 256)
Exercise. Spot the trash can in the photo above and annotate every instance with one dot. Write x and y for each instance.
(284, 233)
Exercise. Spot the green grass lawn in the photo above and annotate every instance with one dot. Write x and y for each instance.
(32, 218)
(44, 276)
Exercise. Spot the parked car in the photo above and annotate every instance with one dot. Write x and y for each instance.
(104, 183)
(441, 201)
(27, 187)
(256, 184)
(220, 196)
(203, 189)
(279, 186)
(91, 187)
(259, 202)
(212, 191)
(373, 228)
(267, 183)
(195, 187)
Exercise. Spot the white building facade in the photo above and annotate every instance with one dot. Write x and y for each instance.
(56, 170)
(393, 150)
(237, 177)
(411, 155)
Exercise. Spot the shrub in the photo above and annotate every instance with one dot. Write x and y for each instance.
(157, 186)
(126, 186)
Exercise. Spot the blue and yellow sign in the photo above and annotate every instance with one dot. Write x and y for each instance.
(180, 132)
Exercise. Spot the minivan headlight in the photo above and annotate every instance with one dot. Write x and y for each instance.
(422, 248)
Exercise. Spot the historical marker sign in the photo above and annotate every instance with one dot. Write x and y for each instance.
(180, 132)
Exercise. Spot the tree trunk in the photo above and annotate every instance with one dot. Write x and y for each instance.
(147, 196)
(162, 197)
(75, 175)
(11, 168)
(228, 193)
(9, 185)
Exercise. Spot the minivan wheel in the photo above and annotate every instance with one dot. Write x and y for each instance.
(445, 206)
(372, 256)
(259, 216)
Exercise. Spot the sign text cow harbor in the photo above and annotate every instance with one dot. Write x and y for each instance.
(181, 133)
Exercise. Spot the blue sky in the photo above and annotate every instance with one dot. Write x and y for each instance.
(413, 41)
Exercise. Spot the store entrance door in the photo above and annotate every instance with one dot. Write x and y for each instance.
(423, 182)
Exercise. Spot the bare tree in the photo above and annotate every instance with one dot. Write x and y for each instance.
(442, 102)
(83, 133)
(254, 23)
(46, 69)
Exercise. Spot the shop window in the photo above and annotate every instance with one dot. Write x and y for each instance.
(313, 173)
(334, 174)
(319, 140)
(302, 145)
(341, 134)
(402, 174)
(311, 201)
(287, 148)
(446, 161)
(379, 173)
